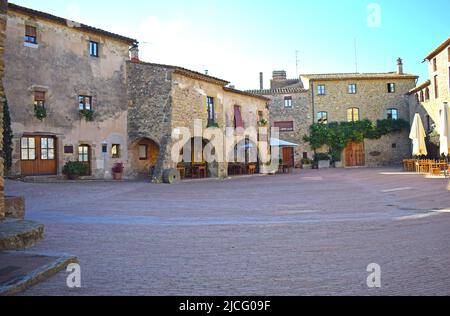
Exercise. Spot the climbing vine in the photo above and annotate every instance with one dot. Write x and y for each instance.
(337, 135)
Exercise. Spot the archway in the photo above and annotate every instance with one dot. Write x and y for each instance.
(144, 156)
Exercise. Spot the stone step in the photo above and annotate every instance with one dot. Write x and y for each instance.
(19, 234)
(21, 269)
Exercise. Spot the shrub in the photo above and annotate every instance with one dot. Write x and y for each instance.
(88, 115)
(74, 169)
(118, 167)
(40, 112)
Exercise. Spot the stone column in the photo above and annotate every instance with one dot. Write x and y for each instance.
(3, 10)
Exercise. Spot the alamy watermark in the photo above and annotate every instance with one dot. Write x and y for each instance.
(74, 278)
(374, 278)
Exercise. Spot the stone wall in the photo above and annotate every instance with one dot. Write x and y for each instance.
(60, 66)
(388, 150)
(3, 10)
(150, 109)
(300, 114)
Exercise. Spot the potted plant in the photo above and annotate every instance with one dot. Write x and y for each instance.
(40, 112)
(117, 170)
(87, 114)
(263, 123)
(74, 169)
(323, 160)
(307, 163)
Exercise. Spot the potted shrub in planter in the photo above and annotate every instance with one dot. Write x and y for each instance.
(307, 163)
(117, 171)
(323, 160)
(73, 170)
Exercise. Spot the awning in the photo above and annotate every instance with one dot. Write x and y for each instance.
(274, 142)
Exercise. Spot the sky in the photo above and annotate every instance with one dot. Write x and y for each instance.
(237, 39)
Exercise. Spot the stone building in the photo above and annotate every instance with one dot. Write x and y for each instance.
(290, 111)
(3, 10)
(323, 98)
(351, 97)
(57, 74)
(428, 98)
(164, 99)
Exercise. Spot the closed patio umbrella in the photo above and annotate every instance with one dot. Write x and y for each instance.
(418, 137)
(445, 130)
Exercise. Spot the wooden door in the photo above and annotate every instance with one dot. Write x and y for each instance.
(84, 156)
(288, 156)
(38, 155)
(355, 155)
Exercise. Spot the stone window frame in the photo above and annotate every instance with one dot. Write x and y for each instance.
(391, 87)
(31, 23)
(31, 34)
(321, 89)
(90, 45)
(390, 114)
(352, 88)
(352, 114)
(320, 117)
(288, 102)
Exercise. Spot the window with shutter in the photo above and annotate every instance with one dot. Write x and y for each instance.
(238, 122)
(287, 126)
(30, 34)
(39, 98)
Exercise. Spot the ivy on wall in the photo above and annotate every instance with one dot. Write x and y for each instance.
(337, 135)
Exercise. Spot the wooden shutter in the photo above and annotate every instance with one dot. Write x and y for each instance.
(238, 117)
(30, 31)
(39, 96)
(285, 126)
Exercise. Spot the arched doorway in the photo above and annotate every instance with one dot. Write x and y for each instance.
(144, 156)
(194, 164)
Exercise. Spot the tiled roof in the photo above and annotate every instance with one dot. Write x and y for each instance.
(246, 93)
(439, 49)
(188, 73)
(59, 20)
(358, 76)
(278, 91)
(418, 88)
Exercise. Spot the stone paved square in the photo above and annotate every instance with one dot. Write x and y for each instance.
(308, 233)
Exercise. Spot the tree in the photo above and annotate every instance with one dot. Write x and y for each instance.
(7, 138)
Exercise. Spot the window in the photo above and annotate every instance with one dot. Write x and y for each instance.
(238, 122)
(285, 126)
(30, 34)
(288, 102)
(28, 148)
(391, 87)
(260, 116)
(353, 115)
(85, 102)
(115, 151)
(321, 89)
(434, 64)
(211, 110)
(421, 98)
(392, 114)
(352, 88)
(93, 49)
(143, 152)
(436, 88)
(47, 148)
(83, 153)
(322, 117)
(427, 94)
(39, 99)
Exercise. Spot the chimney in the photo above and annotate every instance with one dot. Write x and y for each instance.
(399, 66)
(134, 52)
(261, 81)
(279, 75)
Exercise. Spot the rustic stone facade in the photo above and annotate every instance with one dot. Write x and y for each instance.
(167, 98)
(61, 65)
(3, 10)
(423, 99)
(372, 97)
(299, 112)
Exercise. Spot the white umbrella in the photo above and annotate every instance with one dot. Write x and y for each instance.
(274, 142)
(445, 130)
(418, 137)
